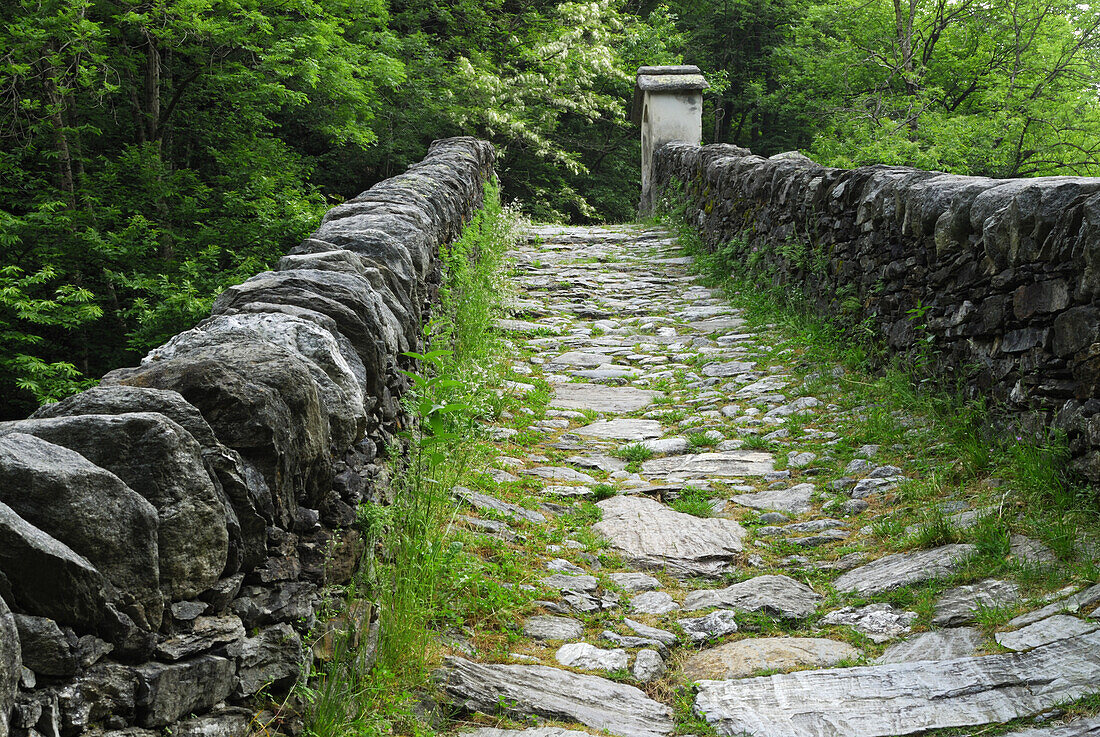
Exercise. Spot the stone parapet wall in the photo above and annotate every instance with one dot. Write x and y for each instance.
(994, 281)
(168, 537)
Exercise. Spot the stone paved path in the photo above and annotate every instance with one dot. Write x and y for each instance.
(762, 602)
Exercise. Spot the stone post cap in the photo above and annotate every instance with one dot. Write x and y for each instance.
(661, 80)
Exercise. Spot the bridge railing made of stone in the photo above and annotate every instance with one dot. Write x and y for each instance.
(994, 281)
(167, 537)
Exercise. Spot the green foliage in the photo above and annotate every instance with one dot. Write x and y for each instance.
(694, 501)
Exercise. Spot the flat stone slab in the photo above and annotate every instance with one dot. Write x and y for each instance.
(533, 732)
(902, 569)
(622, 429)
(1075, 603)
(581, 359)
(947, 644)
(485, 502)
(903, 698)
(795, 500)
(727, 463)
(780, 595)
(559, 473)
(743, 658)
(1087, 727)
(718, 325)
(959, 605)
(653, 602)
(880, 622)
(524, 690)
(589, 657)
(652, 633)
(650, 535)
(1045, 631)
(599, 398)
(632, 582)
(552, 628)
(728, 368)
(716, 624)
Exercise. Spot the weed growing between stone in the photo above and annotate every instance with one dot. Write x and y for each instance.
(412, 566)
(1020, 479)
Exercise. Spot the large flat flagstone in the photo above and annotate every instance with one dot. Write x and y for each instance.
(581, 359)
(728, 368)
(1057, 627)
(961, 604)
(727, 463)
(622, 429)
(1087, 727)
(945, 644)
(795, 500)
(718, 325)
(745, 657)
(903, 698)
(902, 569)
(525, 690)
(650, 535)
(769, 593)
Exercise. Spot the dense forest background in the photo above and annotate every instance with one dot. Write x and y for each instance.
(151, 153)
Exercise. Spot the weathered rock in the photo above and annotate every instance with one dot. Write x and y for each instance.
(160, 460)
(649, 534)
(904, 698)
(902, 569)
(169, 691)
(285, 602)
(223, 723)
(484, 501)
(780, 595)
(92, 512)
(272, 660)
(960, 604)
(716, 624)
(522, 690)
(633, 582)
(1045, 631)
(11, 664)
(533, 732)
(726, 463)
(945, 644)
(1085, 727)
(728, 368)
(46, 649)
(795, 500)
(559, 473)
(565, 582)
(652, 633)
(622, 429)
(648, 666)
(742, 658)
(589, 657)
(1074, 603)
(206, 633)
(653, 602)
(880, 622)
(261, 400)
(1028, 550)
(552, 628)
(600, 398)
(105, 695)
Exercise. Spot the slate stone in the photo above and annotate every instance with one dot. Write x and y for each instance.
(653, 602)
(1084, 727)
(564, 582)
(169, 691)
(162, 462)
(742, 658)
(1045, 631)
(728, 368)
(945, 644)
(484, 501)
(798, 406)
(600, 398)
(1074, 603)
(46, 649)
(648, 666)
(653, 633)
(532, 732)
(552, 628)
(667, 446)
(716, 624)
(271, 660)
(581, 359)
(92, 512)
(726, 463)
(632, 582)
(282, 602)
(779, 595)
(880, 622)
(11, 664)
(622, 429)
(106, 694)
(223, 723)
(904, 698)
(902, 569)
(795, 500)
(589, 657)
(649, 534)
(1028, 550)
(206, 633)
(523, 690)
(959, 605)
(559, 473)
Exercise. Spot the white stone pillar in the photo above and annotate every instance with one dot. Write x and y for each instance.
(668, 105)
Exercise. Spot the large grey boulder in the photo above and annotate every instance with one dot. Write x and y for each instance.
(43, 576)
(262, 401)
(340, 391)
(240, 486)
(46, 649)
(90, 510)
(11, 665)
(651, 535)
(170, 691)
(904, 698)
(902, 569)
(539, 690)
(106, 695)
(161, 461)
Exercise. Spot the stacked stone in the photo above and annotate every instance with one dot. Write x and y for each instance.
(999, 278)
(168, 536)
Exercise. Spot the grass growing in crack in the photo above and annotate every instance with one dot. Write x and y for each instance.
(697, 440)
(635, 455)
(694, 502)
(603, 491)
(418, 574)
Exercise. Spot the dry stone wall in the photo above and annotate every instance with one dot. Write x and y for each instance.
(995, 281)
(168, 537)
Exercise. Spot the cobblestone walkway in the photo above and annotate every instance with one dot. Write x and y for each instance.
(726, 553)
